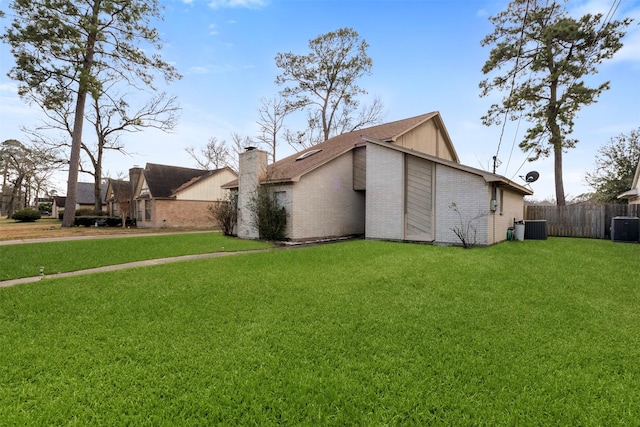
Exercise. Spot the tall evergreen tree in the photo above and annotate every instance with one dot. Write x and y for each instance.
(61, 47)
(545, 55)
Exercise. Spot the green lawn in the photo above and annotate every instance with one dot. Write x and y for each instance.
(355, 333)
(25, 260)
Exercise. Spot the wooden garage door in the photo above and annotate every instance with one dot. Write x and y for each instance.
(418, 199)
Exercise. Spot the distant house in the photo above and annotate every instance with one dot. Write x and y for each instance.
(396, 181)
(633, 195)
(85, 198)
(118, 198)
(170, 196)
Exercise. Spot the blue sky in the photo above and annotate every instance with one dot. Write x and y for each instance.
(426, 57)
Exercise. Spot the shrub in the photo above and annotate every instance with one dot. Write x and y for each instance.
(466, 231)
(114, 221)
(89, 212)
(27, 215)
(224, 213)
(267, 215)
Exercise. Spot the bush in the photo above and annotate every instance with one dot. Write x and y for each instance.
(224, 213)
(267, 216)
(89, 212)
(92, 220)
(27, 215)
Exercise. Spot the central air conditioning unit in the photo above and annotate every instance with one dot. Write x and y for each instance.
(625, 229)
(535, 230)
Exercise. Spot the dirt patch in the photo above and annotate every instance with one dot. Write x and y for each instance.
(51, 228)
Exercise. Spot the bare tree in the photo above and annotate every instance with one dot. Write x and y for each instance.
(272, 113)
(26, 170)
(215, 155)
(239, 145)
(110, 116)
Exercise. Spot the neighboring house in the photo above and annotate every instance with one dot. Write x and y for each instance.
(85, 198)
(118, 198)
(395, 181)
(171, 196)
(633, 195)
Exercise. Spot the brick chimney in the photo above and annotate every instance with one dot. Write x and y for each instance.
(252, 164)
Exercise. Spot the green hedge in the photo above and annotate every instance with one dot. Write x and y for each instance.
(101, 221)
(27, 215)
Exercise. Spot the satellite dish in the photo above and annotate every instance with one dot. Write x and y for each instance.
(532, 177)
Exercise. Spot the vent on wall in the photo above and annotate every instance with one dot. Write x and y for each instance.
(625, 229)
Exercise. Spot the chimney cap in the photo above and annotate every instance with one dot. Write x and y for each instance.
(250, 147)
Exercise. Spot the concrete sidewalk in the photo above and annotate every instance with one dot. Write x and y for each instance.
(104, 236)
(145, 263)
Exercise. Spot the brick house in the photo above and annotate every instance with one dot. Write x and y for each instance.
(396, 181)
(168, 196)
(85, 198)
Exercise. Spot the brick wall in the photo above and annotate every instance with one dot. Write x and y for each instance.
(253, 163)
(385, 193)
(471, 194)
(511, 207)
(324, 203)
(174, 213)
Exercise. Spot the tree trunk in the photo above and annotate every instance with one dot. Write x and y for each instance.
(68, 219)
(557, 168)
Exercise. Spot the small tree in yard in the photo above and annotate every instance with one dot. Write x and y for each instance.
(267, 215)
(616, 164)
(225, 214)
(466, 231)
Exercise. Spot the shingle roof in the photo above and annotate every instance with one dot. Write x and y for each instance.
(85, 193)
(290, 169)
(121, 189)
(163, 180)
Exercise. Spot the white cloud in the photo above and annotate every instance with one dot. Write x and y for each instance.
(198, 70)
(247, 4)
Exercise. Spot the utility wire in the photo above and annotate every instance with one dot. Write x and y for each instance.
(610, 14)
(513, 83)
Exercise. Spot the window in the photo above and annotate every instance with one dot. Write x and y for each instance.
(307, 154)
(147, 210)
(281, 198)
(114, 208)
(139, 210)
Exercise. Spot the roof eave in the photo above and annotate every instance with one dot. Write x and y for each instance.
(487, 176)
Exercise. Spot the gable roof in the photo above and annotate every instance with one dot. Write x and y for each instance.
(164, 180)
(291, 168)
(84, 196)
(487, 176)
(195, 180)
(120, 190)
(85, 193)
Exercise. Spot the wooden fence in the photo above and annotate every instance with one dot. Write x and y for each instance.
(591, 221)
